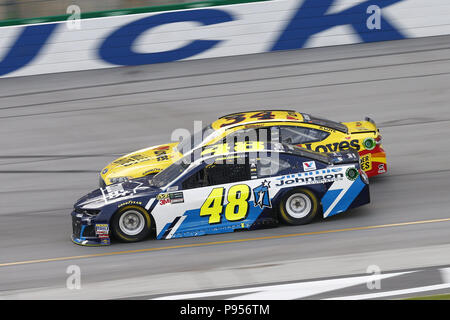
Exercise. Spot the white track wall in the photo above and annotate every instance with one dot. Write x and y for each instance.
(214, 32)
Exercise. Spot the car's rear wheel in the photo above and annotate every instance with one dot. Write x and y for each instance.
(299, 206)
(131, 224)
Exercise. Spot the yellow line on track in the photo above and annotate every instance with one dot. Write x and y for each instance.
(400, 224)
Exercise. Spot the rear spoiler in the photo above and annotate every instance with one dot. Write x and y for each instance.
(372, 122)
(343, 157)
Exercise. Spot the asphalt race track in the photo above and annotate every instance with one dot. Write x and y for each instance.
(58, 131)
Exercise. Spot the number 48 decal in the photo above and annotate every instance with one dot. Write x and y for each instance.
(236, 209)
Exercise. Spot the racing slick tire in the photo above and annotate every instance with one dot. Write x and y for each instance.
(299, 206)
(131, 224)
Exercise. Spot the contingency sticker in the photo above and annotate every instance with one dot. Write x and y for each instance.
(309, 166)
(102, 230)
(366, 162)
(176, 197)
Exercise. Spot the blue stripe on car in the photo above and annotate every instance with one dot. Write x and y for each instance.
(348, 197)
(329, 198)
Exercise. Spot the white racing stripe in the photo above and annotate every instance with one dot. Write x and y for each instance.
(175, 227)
(338, 198)
(149, 203)
(286, 291)
(393, 293)
(343, 184)
(445, 274)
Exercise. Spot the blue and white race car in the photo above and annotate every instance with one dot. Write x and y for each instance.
(244, 186)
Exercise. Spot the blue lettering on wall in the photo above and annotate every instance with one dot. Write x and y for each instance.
(311, 18)
(27, 46)
(117, 47)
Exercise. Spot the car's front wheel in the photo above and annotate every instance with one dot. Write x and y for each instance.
(131, 224)
(299, 206)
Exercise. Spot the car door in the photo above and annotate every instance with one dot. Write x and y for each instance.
(212, 198)
(221, 195)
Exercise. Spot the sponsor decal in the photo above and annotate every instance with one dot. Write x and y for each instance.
(130, 203)
(229, 227)
(337, 146)
(174, 188)
(161, 155)
(114, 180)
(162, 196)
(164, 201)
(291, 115)
(311, 177)
(366, 162)
(176, 197)
(309, 166)
(115, 191)
(102, 231)
(381, 168)
(369, 143)
(327, 129)
(129, 161)
(173, 198)
(351, 174)
(262, 197)
(162, 148)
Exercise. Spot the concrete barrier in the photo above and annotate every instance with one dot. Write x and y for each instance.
(218, 31)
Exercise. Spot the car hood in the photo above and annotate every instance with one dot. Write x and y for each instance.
(142, 162)
(117, 192)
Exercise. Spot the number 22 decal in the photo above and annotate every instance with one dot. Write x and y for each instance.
(236, 209)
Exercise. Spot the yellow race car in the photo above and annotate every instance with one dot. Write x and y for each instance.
(286, 126)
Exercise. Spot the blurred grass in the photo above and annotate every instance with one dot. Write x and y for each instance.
(434, 297)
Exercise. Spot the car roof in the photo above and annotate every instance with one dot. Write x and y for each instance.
(243, 147)
(255, 117)
(220, 152)
(260, 116)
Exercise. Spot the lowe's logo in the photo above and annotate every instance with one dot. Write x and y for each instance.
(117, 48)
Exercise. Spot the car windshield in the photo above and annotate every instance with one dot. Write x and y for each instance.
(191, 142)
(169, 174)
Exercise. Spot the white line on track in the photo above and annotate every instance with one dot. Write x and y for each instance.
(393, 293)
